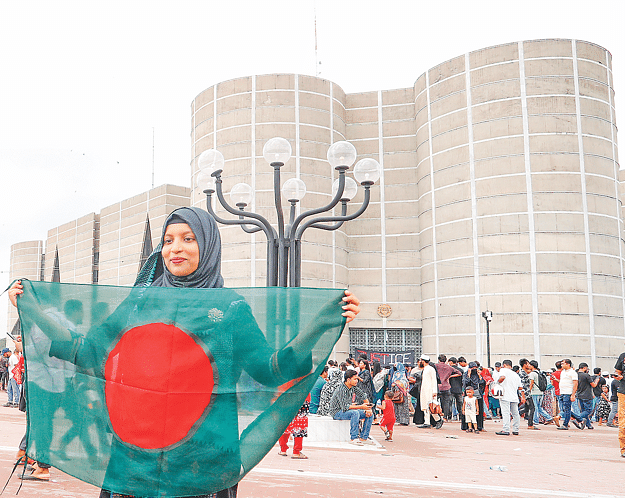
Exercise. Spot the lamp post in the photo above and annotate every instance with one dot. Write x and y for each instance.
(284, 259)
(488, 316)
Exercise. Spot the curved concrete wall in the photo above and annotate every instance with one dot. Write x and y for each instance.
(237, 117)
(519, 202)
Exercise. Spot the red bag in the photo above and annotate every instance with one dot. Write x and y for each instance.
(18, 371)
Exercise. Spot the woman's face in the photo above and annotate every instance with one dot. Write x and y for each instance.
(180, 252)
(361, 365)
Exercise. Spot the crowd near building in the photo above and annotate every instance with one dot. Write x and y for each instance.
(500, 191)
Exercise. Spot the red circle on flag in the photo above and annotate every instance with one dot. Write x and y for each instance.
(159, 383)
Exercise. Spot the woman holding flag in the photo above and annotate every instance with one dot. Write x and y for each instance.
(189, 256)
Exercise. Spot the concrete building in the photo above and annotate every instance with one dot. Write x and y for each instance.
(103, 248)
(500, 191)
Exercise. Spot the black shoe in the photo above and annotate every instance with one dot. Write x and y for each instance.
(589, 427)
(515, 433)
(502, 433)
(576, 424)
(424, 426)
(8, 405)
(563, 428)
(439, 424)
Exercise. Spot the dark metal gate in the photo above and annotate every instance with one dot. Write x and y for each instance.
(385, 340)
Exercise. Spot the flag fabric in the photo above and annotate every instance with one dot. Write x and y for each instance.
(153, 391)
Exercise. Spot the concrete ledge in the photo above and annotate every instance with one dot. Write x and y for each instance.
(326, 429)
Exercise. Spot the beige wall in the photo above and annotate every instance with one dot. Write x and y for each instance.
(25, 263)
(518, 165)
(122, 229)
(75, 242)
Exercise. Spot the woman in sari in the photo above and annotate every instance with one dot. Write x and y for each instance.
(399, 383)
(190, 256)
(327, 391)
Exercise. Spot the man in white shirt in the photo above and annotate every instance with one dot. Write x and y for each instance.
(568, 388)
(13, 388)
(511, 385)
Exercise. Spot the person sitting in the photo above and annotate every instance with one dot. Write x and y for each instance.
(350, 403)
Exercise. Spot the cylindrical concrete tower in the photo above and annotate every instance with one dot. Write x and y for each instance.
(519, 204)
(237, 117)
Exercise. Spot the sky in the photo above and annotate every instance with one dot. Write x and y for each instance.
(88, 87)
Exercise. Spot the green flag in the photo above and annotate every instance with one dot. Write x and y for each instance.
(168, 391)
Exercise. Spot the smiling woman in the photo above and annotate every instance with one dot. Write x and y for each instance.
(218, 346)
(180, 252)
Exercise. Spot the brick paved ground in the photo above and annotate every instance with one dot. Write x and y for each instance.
(419, 463)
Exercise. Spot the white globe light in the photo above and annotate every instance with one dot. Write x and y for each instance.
(211, 160)
(205, 181)
(277, 150)
(294, 189)
(342, 154)
(367, 170)
(350, 190)
(241, 193)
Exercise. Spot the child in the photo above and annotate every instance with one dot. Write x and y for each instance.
(470, 410)
(603, 407)
(388, 415)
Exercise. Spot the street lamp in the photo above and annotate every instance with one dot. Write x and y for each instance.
(488, 316)
(284, 259)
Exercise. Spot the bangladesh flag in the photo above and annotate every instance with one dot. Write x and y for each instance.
(154, 391)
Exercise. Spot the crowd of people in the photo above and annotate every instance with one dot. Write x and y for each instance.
(431, 394)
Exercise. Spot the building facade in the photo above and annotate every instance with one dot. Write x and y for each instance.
(500, 191)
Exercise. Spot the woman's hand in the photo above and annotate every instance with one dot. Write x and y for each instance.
(16, 289)
(352, 306)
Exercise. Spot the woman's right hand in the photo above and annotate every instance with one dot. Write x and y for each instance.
(15, 290)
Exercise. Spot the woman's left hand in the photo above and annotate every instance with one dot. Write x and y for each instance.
(351, 306)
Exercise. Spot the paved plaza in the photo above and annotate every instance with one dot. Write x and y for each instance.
(419, 463)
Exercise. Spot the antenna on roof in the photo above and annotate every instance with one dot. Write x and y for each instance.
(152, 156)
(316, 60)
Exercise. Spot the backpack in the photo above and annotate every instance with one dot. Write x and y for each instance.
(542, 381)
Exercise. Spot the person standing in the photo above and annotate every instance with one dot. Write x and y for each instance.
(528, 383)
(470, 410)
(399, 384)
(455, 383)
(538, 396)
(4, 368)
(619, 370)
(444, 372)
(471, 378)
(613, 403)
(597, 391)
(584, 394)
(568, 388)
(366, 380)
(555, 382)
(429, 393)
(512, 387)
(388, 415)
(13, 388)
(603, 406)
(298, 428)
